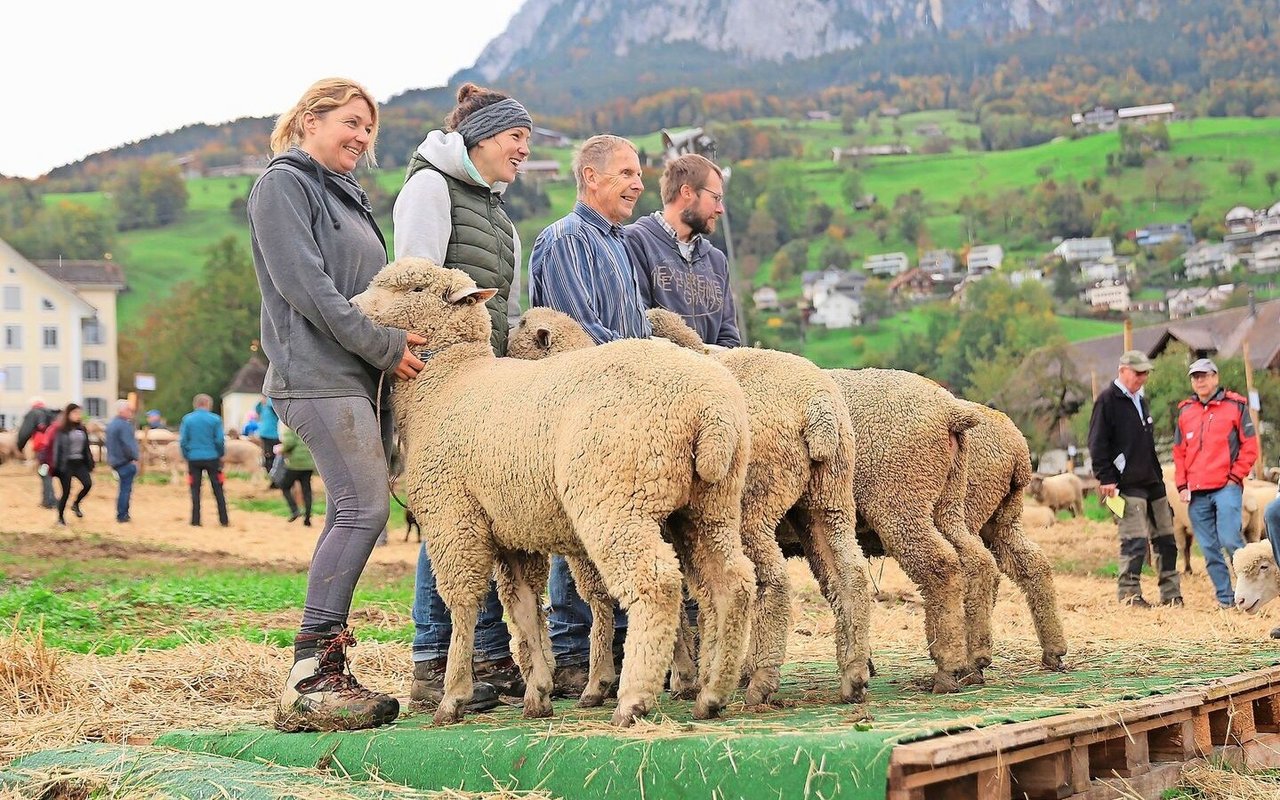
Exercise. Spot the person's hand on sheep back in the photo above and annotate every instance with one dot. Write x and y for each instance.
(410, 365)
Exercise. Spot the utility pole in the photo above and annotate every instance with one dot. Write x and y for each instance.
(1258, 466)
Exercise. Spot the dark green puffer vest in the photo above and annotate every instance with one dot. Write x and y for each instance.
(482, 243)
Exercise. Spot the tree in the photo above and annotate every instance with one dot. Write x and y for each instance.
(875, 301)
(851, 187)
(761, 236)
(148, 195)
(1157, 173)
(818, 218)
(848, 119)
(1272, 178)
(1064, 284)
(1242, 169)
(834, 255)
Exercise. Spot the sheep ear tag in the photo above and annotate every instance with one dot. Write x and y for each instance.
(471, 295)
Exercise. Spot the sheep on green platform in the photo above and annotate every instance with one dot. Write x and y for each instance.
(802, 460)
(998, 471)
(586, 456)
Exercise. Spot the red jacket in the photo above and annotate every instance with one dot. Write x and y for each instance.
(1213, 442)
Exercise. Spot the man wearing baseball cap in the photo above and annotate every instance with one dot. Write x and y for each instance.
(1214, 448)
(1123, 448)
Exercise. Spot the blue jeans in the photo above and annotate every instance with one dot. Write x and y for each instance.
(434, 627)
(1215, 520)
(569, 618)
(126, 473)
(1272, 517)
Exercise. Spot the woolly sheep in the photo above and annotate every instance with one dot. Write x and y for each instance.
(9, 446)
(1059, 492)
(584, 456)
(802, 457)
(909, 484)
(1037, 516)
(1253, 528)
(1257, 578)
(999, 468)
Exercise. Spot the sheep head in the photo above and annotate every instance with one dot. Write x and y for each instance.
(1257, 577)
(671, 326)
(443, 305)
(544, 332)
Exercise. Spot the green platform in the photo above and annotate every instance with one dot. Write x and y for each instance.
(812, 748)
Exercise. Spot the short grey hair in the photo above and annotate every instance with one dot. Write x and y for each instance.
(594, 152)
(202, 400)
(122, 404)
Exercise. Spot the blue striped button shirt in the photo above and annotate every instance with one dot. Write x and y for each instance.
(579, 265)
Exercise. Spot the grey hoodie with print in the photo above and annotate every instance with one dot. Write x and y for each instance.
(315, 245)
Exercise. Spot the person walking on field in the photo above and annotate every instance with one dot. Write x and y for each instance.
(298, 465)
(316, 244)
(268, 431)
(1214, 447)
(450, 211)
(71, 458)
(123, 454)
(36, 421)
(203, 444)
(1123, 448)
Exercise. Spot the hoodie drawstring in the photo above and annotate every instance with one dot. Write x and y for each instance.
(324, 195)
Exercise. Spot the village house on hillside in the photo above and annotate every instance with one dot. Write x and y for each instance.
(912, 286)
(984, 258)
(1218, 335)
(765, 298)
(1206, 259)
(59, 334)
(1197, 300)
(886, 265)
(243, 392)
(938, 262)
(1075, 251)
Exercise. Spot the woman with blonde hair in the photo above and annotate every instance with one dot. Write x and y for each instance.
(315, 245)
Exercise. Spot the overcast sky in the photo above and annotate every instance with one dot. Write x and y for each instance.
(82, 77)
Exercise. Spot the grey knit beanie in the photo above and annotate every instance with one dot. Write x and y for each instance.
(494, 119)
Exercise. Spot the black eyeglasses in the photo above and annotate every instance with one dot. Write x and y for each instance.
(719, 197)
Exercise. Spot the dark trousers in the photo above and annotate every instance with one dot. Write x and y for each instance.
(195, 472)
(78, 469)
(268, 453)
(302, 477)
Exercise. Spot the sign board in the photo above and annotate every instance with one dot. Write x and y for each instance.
(1254, 402)
(144, 381)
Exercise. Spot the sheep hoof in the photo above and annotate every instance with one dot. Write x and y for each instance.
(853, 691)
(944, 682)
(982, 662)
(537, 707)
(973, 677)
(591, 699)
(763, 684)
(627, 713)
(1053, 662)
(448, 713)
(706, 707)
(684, 693)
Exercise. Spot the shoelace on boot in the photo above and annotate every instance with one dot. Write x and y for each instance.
(333, 673)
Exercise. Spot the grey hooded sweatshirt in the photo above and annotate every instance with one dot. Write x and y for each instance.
(315, 245)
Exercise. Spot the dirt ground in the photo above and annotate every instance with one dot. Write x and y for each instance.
(1078, 549)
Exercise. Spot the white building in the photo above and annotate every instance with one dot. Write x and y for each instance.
(837, 311)
(938, 262)
(59, 335)
(1110, 294)
(984, 258)
(765, 298)
(1074, 251)
(886, 265)
(1205, 259)
(1266, 256)
(1021, 276)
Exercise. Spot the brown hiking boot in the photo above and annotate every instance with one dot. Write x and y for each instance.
(1135, 601)
(503, 675)
(321, 694)
(428, 687)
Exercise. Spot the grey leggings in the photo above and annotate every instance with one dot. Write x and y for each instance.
(350, 455)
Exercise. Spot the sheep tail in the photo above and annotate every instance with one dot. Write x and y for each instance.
(822, 427)
(962, 417)
(714, 446)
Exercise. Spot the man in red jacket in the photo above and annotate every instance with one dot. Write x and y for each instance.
(1214, 448)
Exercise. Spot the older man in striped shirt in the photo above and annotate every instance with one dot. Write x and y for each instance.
(579, 265)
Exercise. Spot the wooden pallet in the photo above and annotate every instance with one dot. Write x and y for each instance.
(1135, 749)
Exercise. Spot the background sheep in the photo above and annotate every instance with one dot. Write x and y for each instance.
(999, 469)
(1252, 525)
(1058, 492)
(9, 446)
(802, 456)
(1037, 516)
(1257, 578)
(585, 455)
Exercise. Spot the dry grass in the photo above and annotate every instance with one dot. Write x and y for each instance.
(1211, 782)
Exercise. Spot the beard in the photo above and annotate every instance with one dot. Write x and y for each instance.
(698, 224)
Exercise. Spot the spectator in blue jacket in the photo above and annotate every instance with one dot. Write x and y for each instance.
(203, 444)
(122, 453)
(268, 431)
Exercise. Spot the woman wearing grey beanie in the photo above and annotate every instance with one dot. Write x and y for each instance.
(450, 211)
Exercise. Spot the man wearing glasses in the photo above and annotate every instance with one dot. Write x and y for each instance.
(1214, 448)
(1123, 448)
(677, 266)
